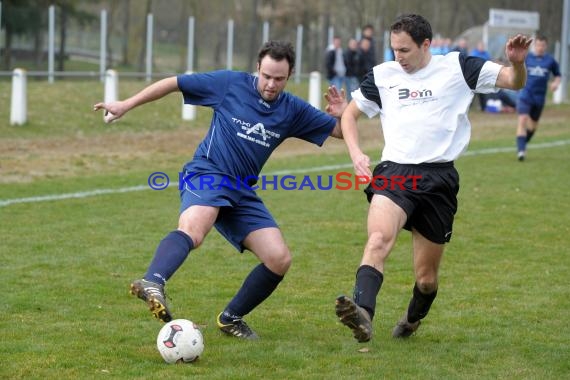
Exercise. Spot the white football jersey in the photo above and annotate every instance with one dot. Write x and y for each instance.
(424, 114)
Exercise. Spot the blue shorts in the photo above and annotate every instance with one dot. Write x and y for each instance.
(532, 109)
(241, 210)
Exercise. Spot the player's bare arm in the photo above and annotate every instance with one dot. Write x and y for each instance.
(348, 125)
(555, 83)
(152, 92)
(514, 76)
(336, 105)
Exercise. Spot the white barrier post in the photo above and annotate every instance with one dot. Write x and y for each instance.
(149, 36)
(111, 87)
(19, 107)
(190, 52)
(265, 33)
(103, 45)
(230, 48)
(299, 50)
(188, 110)
(558, 95)
(315, 89)
(51, 43)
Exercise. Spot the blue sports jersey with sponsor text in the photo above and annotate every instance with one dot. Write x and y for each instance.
(245, 129)
(538, 70)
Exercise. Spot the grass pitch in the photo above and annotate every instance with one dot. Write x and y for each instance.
(501, 312)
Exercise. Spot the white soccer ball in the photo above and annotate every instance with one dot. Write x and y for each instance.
(180, 341)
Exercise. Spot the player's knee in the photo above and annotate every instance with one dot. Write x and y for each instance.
(196, 237)
(427, 286)
(378, 243)
(280, 261)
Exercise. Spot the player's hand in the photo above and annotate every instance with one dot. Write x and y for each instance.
(361, 164)
(554, 86)
(516, 48)
(336, 101)
(113, 110)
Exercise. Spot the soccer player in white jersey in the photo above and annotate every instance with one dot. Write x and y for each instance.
(252, 116)
(423, 102)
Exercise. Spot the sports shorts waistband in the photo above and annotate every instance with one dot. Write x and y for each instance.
(429, 165)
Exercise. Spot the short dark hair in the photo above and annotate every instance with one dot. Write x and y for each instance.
(540, 37)
(415, 25)
(278, 50)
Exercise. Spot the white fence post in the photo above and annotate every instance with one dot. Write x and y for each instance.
(190, 52)
(315, 89)
(149, 36)
(103, 45)
(188, 110)
(111, 87)
(19, 106)
(558, 96)
(230, 48)
(299, 52)
(51, 43)
(265, 33)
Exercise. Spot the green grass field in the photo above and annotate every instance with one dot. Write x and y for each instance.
(501, 312)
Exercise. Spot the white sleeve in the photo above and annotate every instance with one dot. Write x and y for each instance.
(488, 78)
(369, 107)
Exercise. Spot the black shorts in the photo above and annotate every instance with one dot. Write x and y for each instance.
(426, 192)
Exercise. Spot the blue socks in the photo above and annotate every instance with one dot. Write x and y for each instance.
(169, 256)
(523, 140)
(258, 285)
(521, 143)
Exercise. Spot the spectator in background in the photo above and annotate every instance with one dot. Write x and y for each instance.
(461, 46)
(446, 45)
(436, 47)
(480, 51)
(352, 58)
(388, 54)
(368, 34)
(366, 59)
(336, 65)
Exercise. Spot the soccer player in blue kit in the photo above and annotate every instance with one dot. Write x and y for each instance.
(252, 116)
(423, 102)
(532, 97)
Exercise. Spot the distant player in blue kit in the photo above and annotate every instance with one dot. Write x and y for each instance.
(422, 100)
(252, 116)
(532, 97)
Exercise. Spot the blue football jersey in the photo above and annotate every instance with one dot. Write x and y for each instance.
(538, 73)
(245, 129)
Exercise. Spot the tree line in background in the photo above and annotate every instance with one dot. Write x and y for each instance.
(28, 19)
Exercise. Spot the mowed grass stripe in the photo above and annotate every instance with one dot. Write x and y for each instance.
(96, 192)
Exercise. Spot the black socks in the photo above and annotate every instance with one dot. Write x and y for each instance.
(368, 283)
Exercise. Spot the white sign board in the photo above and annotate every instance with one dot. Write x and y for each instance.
(505, 18)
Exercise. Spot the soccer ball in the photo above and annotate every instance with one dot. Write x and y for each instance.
(180, 341)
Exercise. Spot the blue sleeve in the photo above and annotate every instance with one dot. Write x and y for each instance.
(555, 68)
(311, 124)
(204, 89)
